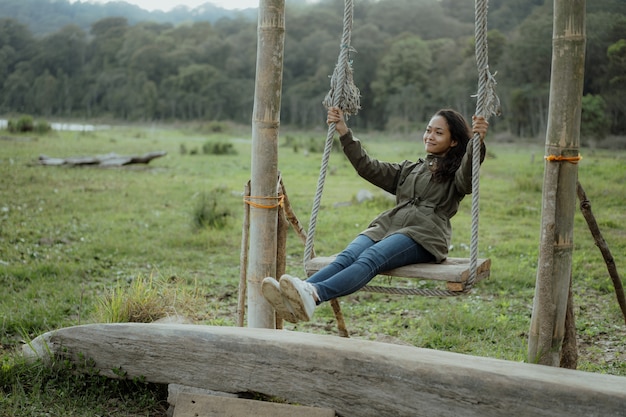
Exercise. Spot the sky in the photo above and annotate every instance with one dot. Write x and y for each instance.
(167, 5)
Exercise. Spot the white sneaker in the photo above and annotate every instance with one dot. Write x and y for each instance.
(271, 291)
(301, 296)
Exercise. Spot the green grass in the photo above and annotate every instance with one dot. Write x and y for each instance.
(73, 390)
(73, 237)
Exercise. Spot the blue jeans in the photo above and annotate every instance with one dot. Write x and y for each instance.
(362, 260)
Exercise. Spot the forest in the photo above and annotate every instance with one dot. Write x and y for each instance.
(411, 57)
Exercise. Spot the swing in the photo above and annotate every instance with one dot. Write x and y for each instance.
(460, 274)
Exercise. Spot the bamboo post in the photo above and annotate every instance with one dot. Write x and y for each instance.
(265, 124)
(559, 185)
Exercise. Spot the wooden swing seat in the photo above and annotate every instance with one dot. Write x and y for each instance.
(453, 271)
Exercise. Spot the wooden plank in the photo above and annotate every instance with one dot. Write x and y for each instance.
(197, 405)
(351, 376)
(174, 391)
(451, 270)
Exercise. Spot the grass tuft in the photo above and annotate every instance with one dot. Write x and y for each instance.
(144, 301)
(210, 211)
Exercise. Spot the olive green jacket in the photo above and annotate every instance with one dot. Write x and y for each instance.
(423, 207)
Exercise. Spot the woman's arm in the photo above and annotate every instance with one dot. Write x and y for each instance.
(380, 174)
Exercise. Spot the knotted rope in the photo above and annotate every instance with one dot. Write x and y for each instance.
(487, 104)
(343, 94)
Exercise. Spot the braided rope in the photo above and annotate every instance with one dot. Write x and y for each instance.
(412, 291)
(487, 104)
(342, 94)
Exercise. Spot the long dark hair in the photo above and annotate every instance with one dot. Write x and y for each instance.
(459, 132)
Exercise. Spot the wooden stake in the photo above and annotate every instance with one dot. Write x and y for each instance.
(243, 259)
(585, 208)
(281, 249)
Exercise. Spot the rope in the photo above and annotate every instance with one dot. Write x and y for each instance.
(279, 201)
(487, 104)
(412, 291)
(561, 158)
(343, 94)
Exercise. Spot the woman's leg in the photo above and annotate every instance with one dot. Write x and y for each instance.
(392, 252)
(346, 258)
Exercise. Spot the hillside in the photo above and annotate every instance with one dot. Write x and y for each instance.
(47, 16)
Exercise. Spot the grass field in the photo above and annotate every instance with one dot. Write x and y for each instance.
(75, 239)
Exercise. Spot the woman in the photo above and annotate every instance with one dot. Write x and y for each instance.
(416, 230)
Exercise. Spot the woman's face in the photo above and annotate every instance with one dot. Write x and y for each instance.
(437, 139)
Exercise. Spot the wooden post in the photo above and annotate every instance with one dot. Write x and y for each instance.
(243, 259)
(585, 208)
(265, 124)
(559, 185)
(281, 248)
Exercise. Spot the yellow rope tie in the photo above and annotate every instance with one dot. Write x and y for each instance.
(561, 158)
(279, 201)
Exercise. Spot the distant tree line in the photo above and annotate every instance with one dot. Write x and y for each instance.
(412, 57)
(46, 16)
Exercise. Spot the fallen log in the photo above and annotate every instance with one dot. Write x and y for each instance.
(108, 160)
(353, 377)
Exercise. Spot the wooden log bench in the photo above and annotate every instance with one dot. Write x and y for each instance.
(354, 377)
(455, 272)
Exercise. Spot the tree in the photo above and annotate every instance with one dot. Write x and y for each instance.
(16, 45)
(424, 18)
(605, 29)
(507, 14)
(138, 38)
(404, 67)
(108, 38)
(528, 109)
(45, 94)
(240, 63)
(197, 83)
(616, 74)
(303, 100)
(153, 61)
(63, 52)
(594, 121)
(370, 45)
(526, 74)
(453, 75)
(107, 94)
(98, 65)
(17, 88)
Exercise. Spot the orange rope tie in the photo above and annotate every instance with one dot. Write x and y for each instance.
(279, 201)
(561, 158)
